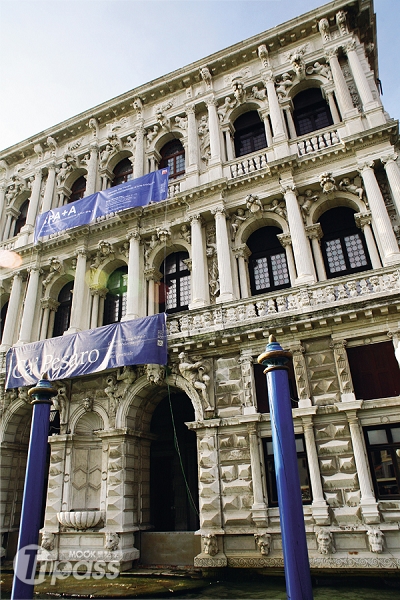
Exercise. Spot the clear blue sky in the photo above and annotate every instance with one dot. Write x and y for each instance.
(61, 57)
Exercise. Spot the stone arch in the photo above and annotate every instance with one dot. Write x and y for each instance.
(99, 276)
(160, 252)
(143, 396)
(74, 176)
(164, 137)
(333, 201)
(249, 106)
(12, 428)
(56, 286)
(253, 223)
(116, 158)
(316, 81)
(78, 419)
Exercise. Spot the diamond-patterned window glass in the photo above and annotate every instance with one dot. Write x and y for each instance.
(261, 275)
(335, 256)
(116, 299)
(355, 251)
(280, 273)
(175, 284)
(343, 245)
(268, 268)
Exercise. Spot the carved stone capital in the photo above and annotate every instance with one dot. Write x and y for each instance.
(285, 239)
(331, 53)
(152, 274)
(287, 187)
(389, 158)
(363, 219)
(47, 302)
(350, 46)
(242, 252)
(218, 210)
(364, 165)
(314, 232)
(197, 218)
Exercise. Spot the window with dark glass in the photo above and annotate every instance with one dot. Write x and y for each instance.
(343, 245)
(63, 314)
(310, 111)
(374, 370)
(123, 172)
(115, 301)
(77, 190)
(21, 220)
(173, 156)
(302, 463)
(249, 134)
(262, 388)
(3, 314)
(175, 284)
(267, 264)
(383, 447)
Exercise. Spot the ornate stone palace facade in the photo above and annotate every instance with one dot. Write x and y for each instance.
(282, 217)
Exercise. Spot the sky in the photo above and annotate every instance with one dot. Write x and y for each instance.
(61, 57)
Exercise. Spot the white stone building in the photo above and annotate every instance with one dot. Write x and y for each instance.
(282, 217)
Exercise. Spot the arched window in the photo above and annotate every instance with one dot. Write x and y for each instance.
(63, 314)
(3, 314)
(175, 284)
(115, 302)
(311, 112)
(123, 172)
(21, 220)
(78, 189)
(343, 245)
(173, 156)
(267, 265)
(249, 133)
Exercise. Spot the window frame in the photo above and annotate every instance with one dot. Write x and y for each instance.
(391, 447)
(270, 475)
(115, 303)
(166, 158)
(79, 192)
(250, 132)
(268, 253)
(311, 112)
(176, 276)
(62, 319)
(124, 174)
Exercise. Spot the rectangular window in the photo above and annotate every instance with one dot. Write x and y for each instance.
(303, 471)
(383, 446)
(374, 370)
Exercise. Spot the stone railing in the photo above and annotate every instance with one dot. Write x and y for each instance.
(248, 164)
(319, 141)
(8, 244)
(174, 188)
(327, 294)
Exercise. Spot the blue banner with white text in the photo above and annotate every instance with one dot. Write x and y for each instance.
(136, 342)
(137, 192)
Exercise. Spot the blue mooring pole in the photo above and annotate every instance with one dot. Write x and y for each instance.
(294, 543)
(25, 563)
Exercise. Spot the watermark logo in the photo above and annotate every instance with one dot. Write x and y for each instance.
(88, 565)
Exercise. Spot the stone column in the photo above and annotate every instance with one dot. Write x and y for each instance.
(301, 248)
(314, 232)
(319, 507)
(300, 372)
(363, 221)
(2, 197)
(78, 292)
(138, 167)
(289, 119)
(10, 215)
(393, 175)
(242, 256)
(213, 124)
(278, 127)
(259, 510)
(330, 95)
(49, 308)
(11, 319)
(230, 150)
(267, 126)
(49, 189)
(92, 169)
(223, 256)
(152, 277)
(380, 218)
(369, 505)
(286, 241)
(343, 370)
(342, 91)
(29, 306)
(34, 199)
(360, 78)
(135, 277)
(193, 153)
(199, 286)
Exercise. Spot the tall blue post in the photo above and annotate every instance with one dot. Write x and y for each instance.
(25, 563)
(294, 543)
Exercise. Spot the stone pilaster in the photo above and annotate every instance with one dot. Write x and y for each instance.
(135, 277)
(319, 506)
(34, 199)
(79, 292)
(393, 175)
(259, 510)
(314, 233)
(28, 314)
(223, 256)
(363, 221)
(49, 189)
(200, 291)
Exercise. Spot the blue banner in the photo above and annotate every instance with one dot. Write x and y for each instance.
(137, 342)
(137, 192)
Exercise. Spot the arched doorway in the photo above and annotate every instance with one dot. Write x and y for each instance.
(173, 472)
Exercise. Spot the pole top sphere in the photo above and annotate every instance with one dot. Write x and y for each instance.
(274, 355)
(43, 392)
